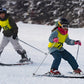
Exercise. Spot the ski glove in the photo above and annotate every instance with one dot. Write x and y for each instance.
(55, 40)
(77, 42)
(14, 36)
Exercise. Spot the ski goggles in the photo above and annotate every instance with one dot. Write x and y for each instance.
(62, 25)
(65, 25)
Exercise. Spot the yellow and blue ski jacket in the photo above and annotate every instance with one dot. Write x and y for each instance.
(62, 38)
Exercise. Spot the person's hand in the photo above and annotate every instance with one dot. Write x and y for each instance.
(55, 40)
(14, 36)
(77, 42)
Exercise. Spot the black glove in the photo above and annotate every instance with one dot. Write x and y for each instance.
(14, 36)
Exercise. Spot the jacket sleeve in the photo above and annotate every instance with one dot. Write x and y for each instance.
(52, 36)
(13, 25)
(69, 41)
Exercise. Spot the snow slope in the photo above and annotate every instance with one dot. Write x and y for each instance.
(37, 35)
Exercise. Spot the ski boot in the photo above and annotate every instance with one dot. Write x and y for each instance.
(77, 71)
(55, 72)
(25, 59)
(23, 56)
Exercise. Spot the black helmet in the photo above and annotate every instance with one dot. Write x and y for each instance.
(64, 21)
(3, 10)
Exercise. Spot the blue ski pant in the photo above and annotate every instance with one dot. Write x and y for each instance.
(66, 56)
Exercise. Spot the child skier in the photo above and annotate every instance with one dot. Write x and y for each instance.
(58, 36)
(10, 31)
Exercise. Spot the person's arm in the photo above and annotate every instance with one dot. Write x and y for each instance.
(14, 27)
(69, 41)
(72, 42)
(52, 36)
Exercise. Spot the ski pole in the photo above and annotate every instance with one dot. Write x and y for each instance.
(77, 53)
(43, 60)
(33, 47)
(40, 64)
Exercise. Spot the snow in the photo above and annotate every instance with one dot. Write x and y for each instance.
(37, 36)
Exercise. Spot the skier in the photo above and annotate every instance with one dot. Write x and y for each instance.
(10, 34)
(58, 36)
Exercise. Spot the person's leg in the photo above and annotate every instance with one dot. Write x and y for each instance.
(18, 48)
(4, 42)
(57, 59)
(71, 60)
(56, 63)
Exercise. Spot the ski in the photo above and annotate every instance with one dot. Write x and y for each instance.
(16, 64)
(59, 76)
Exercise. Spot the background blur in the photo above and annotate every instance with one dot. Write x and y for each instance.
(46, 11)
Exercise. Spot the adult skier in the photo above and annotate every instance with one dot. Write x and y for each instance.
(58, 36)
(10, 34)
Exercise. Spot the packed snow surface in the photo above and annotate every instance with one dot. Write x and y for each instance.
(37, 36)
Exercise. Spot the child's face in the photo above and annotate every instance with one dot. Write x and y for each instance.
(2, 15)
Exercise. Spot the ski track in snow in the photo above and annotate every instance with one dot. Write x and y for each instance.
(37, 36)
